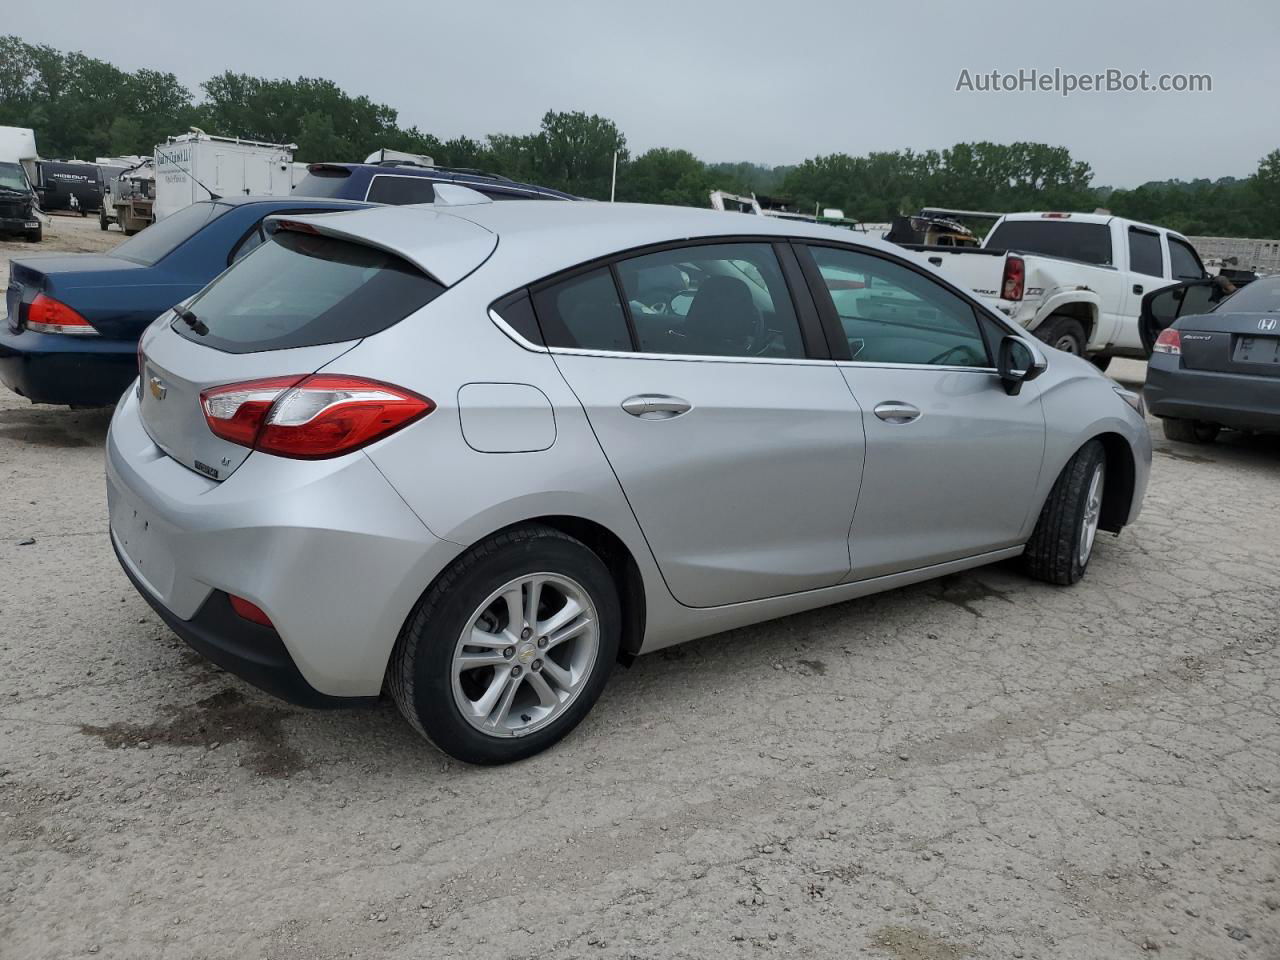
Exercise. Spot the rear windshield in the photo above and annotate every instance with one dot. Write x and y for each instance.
(1088, 242)
(330, 182)
(302, 290)
(1261, 296)
(164, 236)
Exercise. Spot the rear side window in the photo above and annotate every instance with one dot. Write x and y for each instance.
(164, 236)
(583, 312)
(1088, 242)
(401, 190)
(302, 290)
(1145, 256)
(1183, 260)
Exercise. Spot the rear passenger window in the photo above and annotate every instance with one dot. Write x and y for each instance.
(716, 300)
(891, 314)
(583, 312)
(1145, 256)
(401, 190)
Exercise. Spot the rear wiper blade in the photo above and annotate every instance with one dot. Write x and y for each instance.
(191, 320)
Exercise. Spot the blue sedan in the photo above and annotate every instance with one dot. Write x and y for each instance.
(74, 319)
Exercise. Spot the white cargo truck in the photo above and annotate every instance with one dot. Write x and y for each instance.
(196, 166)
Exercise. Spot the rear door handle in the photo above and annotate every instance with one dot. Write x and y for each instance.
(655, 406)
(1137, 288)
(895, 411)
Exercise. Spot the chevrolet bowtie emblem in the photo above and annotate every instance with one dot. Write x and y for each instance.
(158, 389)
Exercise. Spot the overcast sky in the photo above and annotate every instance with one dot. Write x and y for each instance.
(760, 80)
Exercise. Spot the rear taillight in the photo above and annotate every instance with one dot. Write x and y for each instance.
(47, 315)
(1169, 341)
(1014, 279)
(310, 418)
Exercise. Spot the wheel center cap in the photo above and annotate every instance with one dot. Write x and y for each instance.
(526, 651)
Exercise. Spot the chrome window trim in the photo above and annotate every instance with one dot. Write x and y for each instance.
(525, 344)
(914, 366)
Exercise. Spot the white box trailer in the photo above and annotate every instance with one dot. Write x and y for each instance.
(195, 166)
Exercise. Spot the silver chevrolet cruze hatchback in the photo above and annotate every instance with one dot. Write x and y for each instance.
(474, 454)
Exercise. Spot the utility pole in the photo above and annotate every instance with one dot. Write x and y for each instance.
(613, 186)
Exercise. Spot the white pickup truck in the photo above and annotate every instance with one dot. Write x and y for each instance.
(1075, 280)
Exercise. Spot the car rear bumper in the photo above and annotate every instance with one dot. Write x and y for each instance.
(55, 368)
(1231, 399)
(326, 548)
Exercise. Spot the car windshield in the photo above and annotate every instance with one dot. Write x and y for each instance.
(11, 176)
(164, 236)
(324, 182)
(1261, 296)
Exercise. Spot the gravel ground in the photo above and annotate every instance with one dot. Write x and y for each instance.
(977, 767)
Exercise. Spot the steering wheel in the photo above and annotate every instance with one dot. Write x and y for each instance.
(942, 357)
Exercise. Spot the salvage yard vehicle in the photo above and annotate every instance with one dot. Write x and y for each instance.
(129, 195)
(69, 185)
(1074, 280)
(400, 180)
(19, 203)
(74, 319)
(1216, 360)
(476, 453)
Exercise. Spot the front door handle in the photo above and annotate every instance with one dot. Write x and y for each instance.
(655, 406)
(1137, 288)
(895, 411)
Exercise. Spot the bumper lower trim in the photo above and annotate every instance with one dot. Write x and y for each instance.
(253, 653)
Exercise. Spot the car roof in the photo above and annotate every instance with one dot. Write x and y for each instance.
(446, 174)
(1084, 218)
(537, 239)
(289, 200)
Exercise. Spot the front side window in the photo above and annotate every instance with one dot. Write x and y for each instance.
(1186, 265)
(1144, 253)
(718, 300)
(891, 314)
(401, 190)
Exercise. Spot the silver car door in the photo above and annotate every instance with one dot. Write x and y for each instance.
(952, 460)
(740, 455)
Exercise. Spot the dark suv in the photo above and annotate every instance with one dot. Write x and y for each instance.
(399, 182)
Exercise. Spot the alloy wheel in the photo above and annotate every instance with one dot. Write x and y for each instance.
(1092, 513)
(525, 654)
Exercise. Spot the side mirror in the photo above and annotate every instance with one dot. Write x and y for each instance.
(1018, 363)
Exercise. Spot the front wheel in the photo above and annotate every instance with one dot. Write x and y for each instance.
(36, 235)
(1064, 333)
(1060, 548)
(510, 648)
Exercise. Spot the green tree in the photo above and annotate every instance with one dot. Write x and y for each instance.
(663, 175)
(574, 151)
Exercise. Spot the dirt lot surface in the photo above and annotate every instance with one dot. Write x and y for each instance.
(977, 767)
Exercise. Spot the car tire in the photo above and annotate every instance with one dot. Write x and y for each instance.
(1101, 362)
(1065, 334)
(1062, 544)
(36, 235)
(469, 600)
(1189, 431)
(102, 220)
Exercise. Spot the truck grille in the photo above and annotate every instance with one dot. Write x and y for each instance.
(12, 210)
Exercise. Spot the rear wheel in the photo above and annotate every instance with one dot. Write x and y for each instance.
(510, 648)
(1064, 333)
(1190, 431)
(1060, 548)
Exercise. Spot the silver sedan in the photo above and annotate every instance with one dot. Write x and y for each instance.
(475, 454)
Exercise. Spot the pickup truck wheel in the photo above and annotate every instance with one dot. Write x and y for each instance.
(36, 235)
(1189, 431)
(102, 219)
(1065, 334)
(1059, 549)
